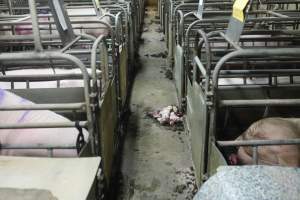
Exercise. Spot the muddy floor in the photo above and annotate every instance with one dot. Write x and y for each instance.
(156, 161)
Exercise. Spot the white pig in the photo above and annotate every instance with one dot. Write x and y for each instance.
(50, 136)
(95, 29)
(44, 84)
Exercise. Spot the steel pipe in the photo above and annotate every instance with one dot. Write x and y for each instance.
(65, 106)
(260, 102)
(238, 143)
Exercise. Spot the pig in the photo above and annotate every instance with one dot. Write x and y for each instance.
(34, 137)
(44, 84)
(27, 29)
(94, 29)
(270, 129)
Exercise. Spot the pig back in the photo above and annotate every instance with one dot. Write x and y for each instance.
(43, 136)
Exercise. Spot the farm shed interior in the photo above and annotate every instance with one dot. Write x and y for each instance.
(134, 99)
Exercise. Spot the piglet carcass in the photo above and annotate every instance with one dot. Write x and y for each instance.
(168, 115)
(271, 129)
(34, 137)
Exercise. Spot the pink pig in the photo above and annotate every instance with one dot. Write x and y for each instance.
(34, 137)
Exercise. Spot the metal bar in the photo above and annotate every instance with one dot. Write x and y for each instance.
(238, 143)
(50, 153)
(252, 52)
(32, 125)
(199, 65)
(257, 86)
(8, 23)
(35, 26)
(208, 54)
(40, 77)
(249, 76)
(276, 14)
(38, 146)
(65, 106)
(26, 37)
(180, 27)
(263, 71)
(70, 44)
(255, 155)
(94, 56)
(11, 13)
(260, 102)
(234, 44)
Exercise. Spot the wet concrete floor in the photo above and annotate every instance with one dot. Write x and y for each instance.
(156, 161)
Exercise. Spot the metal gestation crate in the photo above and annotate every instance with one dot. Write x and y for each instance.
(187, 24)
(232, 83)
(97, 104)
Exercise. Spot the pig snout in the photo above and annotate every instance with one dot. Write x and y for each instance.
(233, 159)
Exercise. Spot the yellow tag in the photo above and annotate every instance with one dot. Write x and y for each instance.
(238, 9)
(97, 3)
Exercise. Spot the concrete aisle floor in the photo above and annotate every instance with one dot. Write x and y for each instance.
(156, 159)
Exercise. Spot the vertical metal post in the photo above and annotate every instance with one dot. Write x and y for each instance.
(50, 152)
(254, 155)
(96, 4)
(11, 13)
(200, 9)
(10, 7)
(35, 26)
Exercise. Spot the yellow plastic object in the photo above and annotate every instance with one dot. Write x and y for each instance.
(238, 9)
(97, 3)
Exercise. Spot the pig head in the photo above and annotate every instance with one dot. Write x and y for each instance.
(271, 129)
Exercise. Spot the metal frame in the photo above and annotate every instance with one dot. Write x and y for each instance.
(210, 69)
(104, 86)
(213, 56)
(209, 24)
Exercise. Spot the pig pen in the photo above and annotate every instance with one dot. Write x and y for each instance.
(117, 19)
(185, 20)
(231, 85)
(90, 102)
(213, 17)
(124, 36)
(66, 102)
